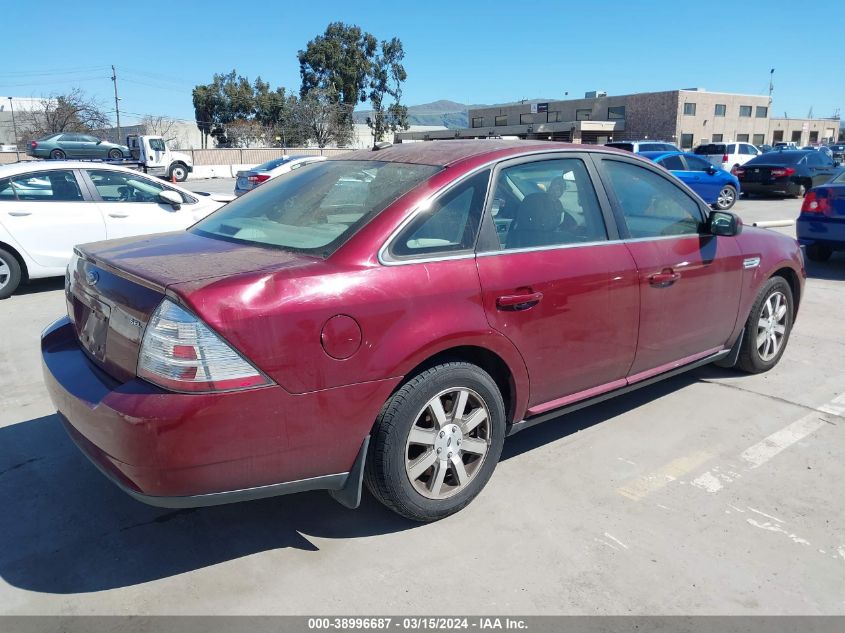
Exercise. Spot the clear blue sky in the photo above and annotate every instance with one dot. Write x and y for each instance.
(467, 51)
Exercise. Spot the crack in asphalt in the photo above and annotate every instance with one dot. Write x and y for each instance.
(800, 405)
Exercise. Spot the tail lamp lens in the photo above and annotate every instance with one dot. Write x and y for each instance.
(780, 172)
(815, 203)
(181, 353)
(258, 179)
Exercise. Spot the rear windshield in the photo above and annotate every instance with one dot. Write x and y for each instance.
(837, 148)
(272, 164)
(314, 210)
(777, 158)
(710, 149)
(838, 179)
(628, 147)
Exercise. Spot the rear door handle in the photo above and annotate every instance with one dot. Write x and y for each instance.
(518, 301)
(664, 279)
(19, 214)
(118, 215)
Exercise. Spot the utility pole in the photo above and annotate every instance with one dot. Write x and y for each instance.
(116, 100)
(771, 84)
(14, 123)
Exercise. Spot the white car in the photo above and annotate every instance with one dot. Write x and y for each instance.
(727, 156)
(251, 178)
(47, 207)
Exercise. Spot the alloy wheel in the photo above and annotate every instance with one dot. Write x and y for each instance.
(726, 199)
(5, 274)
(448, 443)
(771, 326)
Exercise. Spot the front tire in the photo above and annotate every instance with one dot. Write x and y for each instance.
(436, 442)
(115, 154)
(726, 198)
(179, 172)
(818, 253)
(58, 154)
(767, 328)
(10, 274)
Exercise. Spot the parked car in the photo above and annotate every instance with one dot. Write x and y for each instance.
(636, 147)
(727, 156)
(71, 145)
(765, 147)
(717, 187)
(251, 178)
(838, 152)
(821, 225)
(785, 145)
(824, 149)
(48, 207)
(294, 341)
(785, 172)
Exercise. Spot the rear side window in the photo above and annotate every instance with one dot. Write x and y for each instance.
(47, 186)
(651, 205)
(549, 203)
(449, 225)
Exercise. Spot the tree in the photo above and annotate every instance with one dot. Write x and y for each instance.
(322, 119)
(386, 79)
(71, 112)
(162, 126)
(338, 62)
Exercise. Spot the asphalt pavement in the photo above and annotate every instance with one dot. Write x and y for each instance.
(710, 493)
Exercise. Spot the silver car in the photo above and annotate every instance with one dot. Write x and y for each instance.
(250, 179)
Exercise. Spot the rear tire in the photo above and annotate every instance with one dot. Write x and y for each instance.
(427, 461)
(115, 154)
(58, 154)
(818, 253)
(10, 274)
(767, 328)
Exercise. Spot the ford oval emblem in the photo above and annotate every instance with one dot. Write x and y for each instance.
(92, 277)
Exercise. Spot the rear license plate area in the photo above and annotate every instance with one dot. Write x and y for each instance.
(91, 319)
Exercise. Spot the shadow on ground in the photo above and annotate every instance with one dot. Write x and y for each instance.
(833, 269)
(66, 529)
(41, 285)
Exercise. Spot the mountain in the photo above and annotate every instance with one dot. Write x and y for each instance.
(450, 114)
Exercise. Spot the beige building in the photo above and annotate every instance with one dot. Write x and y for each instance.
(685, 117)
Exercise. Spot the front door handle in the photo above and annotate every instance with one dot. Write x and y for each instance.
(664, 279)
(19, 214)
(517, 302)
(118, 215)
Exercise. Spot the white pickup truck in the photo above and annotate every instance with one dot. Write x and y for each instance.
(151, 155)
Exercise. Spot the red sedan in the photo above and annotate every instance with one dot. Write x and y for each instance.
(390, 316)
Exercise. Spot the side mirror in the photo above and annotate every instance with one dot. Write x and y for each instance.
(99, 141)
(172, 198)
(711, 170)
(724, 223)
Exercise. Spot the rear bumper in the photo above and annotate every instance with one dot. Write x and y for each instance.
(785, 187)
(182, 450)
(826, 231)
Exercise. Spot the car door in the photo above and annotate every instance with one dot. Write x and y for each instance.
(91, 147)
(689, 280)
(49, 214)
(130, 205)
(708, 179)
(555, 282)
(820, 167)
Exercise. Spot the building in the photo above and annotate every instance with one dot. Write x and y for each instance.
(685, 117)
(14, 112)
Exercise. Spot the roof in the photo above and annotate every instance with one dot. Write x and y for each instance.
(442, 153)
(43, 165)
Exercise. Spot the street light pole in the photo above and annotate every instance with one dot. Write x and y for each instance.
(116, 106)
(14, 123)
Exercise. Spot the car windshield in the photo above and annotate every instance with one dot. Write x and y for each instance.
(272, 164)
(777, 158)
(314, 210)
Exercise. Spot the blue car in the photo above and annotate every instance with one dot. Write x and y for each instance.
(821, 225)
(716, 187)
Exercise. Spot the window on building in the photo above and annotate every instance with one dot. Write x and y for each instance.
(814, 137)
(653, 206)
(689, 109)
(583, 114)
(777, 137)
(615, 113)
(744, 111)
(526, 117)
(742, 138)
(477, 121)
(796, 136)
(686, 141)
(720, 110)
(717, 138)
(759, 139)
(554, 117)
(502, 119)
(761, 112)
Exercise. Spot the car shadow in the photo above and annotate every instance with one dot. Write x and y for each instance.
(66, 529)
(40, 285)
(832, 270)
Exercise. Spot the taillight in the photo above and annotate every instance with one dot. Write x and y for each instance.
(724, 158)
(780, 172)
(816, 202)
(739, 172)
(34, 144)
(181, 353)
(258, 179)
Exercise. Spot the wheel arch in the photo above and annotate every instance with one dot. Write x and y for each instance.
(21, 261)
(791, 278)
